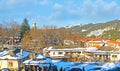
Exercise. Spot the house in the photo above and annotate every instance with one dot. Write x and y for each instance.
(87, 42)
(64, 53)
(94, 42)
(102, 56)
(12, 58)
(106, 54)
(39, 63)
(74, 41)
(113, 43)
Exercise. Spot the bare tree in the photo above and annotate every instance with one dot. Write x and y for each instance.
(47, 36)
(8, 31)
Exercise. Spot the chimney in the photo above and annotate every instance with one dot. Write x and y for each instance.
(21, 51)
(34, 55)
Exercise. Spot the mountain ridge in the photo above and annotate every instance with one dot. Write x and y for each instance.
(110, 29)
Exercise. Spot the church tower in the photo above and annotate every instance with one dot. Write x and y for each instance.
(34, 25)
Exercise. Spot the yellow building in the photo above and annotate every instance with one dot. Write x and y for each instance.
(10, 64)
(13, 59)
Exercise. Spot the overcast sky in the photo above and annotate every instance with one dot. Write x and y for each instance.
(59, 12)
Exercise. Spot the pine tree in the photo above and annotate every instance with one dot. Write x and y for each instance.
(24, 27)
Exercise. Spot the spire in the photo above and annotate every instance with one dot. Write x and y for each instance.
(34, 25)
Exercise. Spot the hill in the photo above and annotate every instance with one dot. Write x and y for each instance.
(110, 30)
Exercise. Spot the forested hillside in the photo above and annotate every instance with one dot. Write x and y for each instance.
(109, 29)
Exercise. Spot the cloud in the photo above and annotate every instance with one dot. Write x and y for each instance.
(51, 11)
(89, 9)
(44, 2)
(14, 4)
(57, 6)
(99, 9)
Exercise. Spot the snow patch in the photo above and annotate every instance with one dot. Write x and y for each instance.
(72, 25)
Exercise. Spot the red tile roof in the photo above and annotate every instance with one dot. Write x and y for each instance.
(94, 39)
(113, 41)
(88, 39)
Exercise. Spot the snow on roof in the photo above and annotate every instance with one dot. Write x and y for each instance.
(24, 54)
(62, 64)
(91, 66)
(37, 62)
(18, 55)
(91, 49)
(67, 49)
(31, 62)
(56, 61)
(40, 56)
(46, 64)
(3, 52)
(117, 64)
(8, 57)
(108, 66)
(49, 48)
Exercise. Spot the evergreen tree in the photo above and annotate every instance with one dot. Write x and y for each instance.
(24, 27)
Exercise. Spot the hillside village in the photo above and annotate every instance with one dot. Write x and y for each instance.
(59, 35)
(38, 52)
(94, 49)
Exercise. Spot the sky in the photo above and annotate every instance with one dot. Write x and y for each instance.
(59, 12)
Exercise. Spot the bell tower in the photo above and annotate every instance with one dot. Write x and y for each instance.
(34, 25)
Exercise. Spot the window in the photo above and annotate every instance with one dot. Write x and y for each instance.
(10, 64)
(60, 53)
(53, 53)
(114, 56)
(100, 56)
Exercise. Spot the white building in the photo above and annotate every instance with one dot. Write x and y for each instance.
(63, 52)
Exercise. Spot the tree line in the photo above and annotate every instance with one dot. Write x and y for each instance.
(12, 32)
(8, 32)
(34, 38)
(37, 39)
